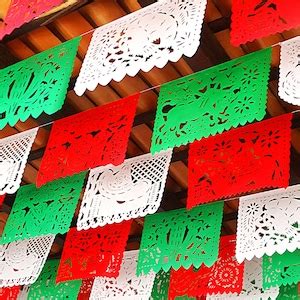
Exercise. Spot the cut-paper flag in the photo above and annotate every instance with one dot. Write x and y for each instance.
(254, 19)
(21, 262)
(224, 277)
(23, 11)
(181, 238)
(127, 285)
(268, 222)
(46, 288)
(149, 37)
(14, 151)
(212, 101)
(93, 252)
(9, 293)
(37, 84)
(23, 295)
(48, 210)
(281, 269)
(240, 160)
(160, 286)
(85, 289)
(288, 292)
(289, 71)
(92, 138)
(117, 193)
(252, 285)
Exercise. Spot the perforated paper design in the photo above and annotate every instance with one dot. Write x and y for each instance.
(48, 210)
(241, 160)
(252, 286)
(268, 222)
(289, 75)
(225, 276)
(9, 293)
(211, 101)
(281, 269)
(37, 84)
(150, 37)
(85, 289)
(14, 151)
(181, 238)
(95, 137)
(288, 292)
(259, 18)
(23, 11)
(127, 285)
(21, 262)
(133, 189)
(93, 252)
(160, 286)
(46, 288)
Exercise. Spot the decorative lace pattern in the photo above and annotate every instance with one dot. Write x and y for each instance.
(259, 18)
(150, 37)
(37, 84)
(181, 238)
(94, 252)
(252, 286)
(289, 78)
(23, 11)
(133, 189)
(241, 160)
(288, 292)
(46, 288)
(268, 222)
(48, 210)
(212, 101)
(14, 151)
(127, 285)
(281, 269)
(9, 293)
(95, 137)
(21, 262)
(85, 289)
(161, 286)
(225, 276)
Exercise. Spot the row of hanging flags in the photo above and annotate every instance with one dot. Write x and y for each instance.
(181, 252)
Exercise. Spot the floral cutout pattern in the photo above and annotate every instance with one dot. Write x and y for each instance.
(14, 151)
(241, 160)
(46, 288)
(95, 137)
(133, 189)
(48, 210)
(85, 289)
(127, 285)
(288, 292)
(180, 238)
(225, 276)
(281, 269)
(21, 262)
(289, 75)
(93, 252)
(259, 18)
(149, 37)
(268, 222)
(23, 11)
(37, 84)
(212, 101)
(252, 285)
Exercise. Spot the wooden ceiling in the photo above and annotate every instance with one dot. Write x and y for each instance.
(82, 16)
